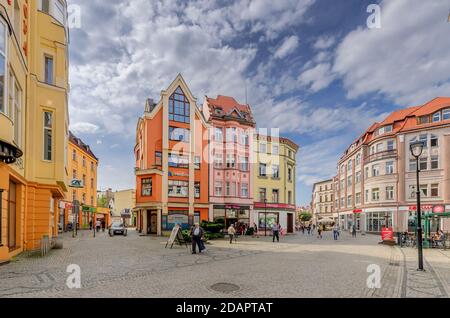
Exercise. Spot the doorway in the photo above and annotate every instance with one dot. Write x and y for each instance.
(12, 215)
(152, 222)
(290, 223)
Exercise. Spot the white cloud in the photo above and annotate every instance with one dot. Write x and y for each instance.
(84, 128)
(317, 77)
(407, 59)
(324, 42)
(288, 46)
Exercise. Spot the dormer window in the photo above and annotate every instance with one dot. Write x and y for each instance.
(436, 117)
(218, 111)
(424, 120)
(446, 114)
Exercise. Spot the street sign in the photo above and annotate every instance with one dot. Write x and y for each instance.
(75, 183)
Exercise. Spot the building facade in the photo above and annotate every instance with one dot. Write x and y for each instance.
(376, 181)
(171, 162)
(82, 166)
(33, 143)
(323, 200)
(124, 203)
(230, 165)
(274, 174)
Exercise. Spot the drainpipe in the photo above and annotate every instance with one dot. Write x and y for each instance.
(1, 213)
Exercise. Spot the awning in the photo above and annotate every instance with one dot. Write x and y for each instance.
(326, 220)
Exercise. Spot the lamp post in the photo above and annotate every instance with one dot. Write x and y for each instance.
(416, 150)
(265, 216)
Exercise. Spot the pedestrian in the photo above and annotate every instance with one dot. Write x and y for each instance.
(197, 235)
(303, 229)
(98, 224)
(276, 232)
(354, 231)
(103, 226)
(336, 232)
(90, 225)
(309, 229)
(319, 231)
(255, 230)
(231, 233)
(244, 229)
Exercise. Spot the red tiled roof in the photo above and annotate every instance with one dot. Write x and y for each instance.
(80, 144)
(227, 103)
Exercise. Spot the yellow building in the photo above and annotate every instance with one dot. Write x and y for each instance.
(274, 183)
(123, 203)
(83, 166)
(33, 121)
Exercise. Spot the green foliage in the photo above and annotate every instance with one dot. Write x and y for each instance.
(214, 236)
(250, 231)
(305, 217)
(212, 227)
(102, 202)
(186, 235)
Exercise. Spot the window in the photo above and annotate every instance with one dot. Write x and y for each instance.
(84, 198)
(434, 190)
(358, 198)
(48, 69)
(390, 193)
(358, 177)
(275, 195)
(179, 107)
(178, 161)
(436, 117)
(342, 202)
(244, 164)
(349, 201)
(158, 158)
(178, 188)
(390, 167)
(218, 189)
(290, 154)
(146, 187)
(380, 147)
(84, 180)
(262, 195)
(244, 138)
(262, 170)
(424, 139)
(275, 149)
(290, 174)
(92, 166)
(74, 174)
(349, 181)
(423, 190)
(434, 141)
(48, 135)
(84, 161)
(350, 166)
(367, 196)
(412, 191)
(74, 195)
(375, 194)
(262, 148)
(92, 183)
(228, 190)
(423, 163)
(218, 160)
(244, 190)
(218, 136)
(388, 129)
(197, 162)
(424, 120)
(60, 12)
(358, 159)
(197, 190)
(446, 114)
(390, 145)
(289, 197)
(2, 66)
(434, 162)
(231, 161)
(179, 134)
(92, 200)
(15, 107)
(275, 172)
(74, 155)
(375, 170)
(366, 175)
(231, 135)
(342, 184)
(412, 165)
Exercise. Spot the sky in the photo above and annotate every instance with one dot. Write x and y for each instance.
(312, 68)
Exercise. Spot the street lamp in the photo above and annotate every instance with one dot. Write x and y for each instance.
(265, 217)
(416, 150)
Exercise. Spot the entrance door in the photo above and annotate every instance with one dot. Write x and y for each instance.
(154, 223)
(12, 216)
(290, 223)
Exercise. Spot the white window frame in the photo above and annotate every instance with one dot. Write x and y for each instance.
(44, 129)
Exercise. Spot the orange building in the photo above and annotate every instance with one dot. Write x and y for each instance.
(171, 162)
(82, 165)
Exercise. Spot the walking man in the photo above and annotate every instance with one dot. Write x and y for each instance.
(255, 230)
(231, 233)
(276, 232)
(196, 235)
(98, 224)
(319, 231)
(354, 231)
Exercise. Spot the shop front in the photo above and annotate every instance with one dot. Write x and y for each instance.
(266, 215)
(232, 214)
(377, 219)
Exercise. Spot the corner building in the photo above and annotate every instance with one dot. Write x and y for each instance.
(171, 162)
(33, 121)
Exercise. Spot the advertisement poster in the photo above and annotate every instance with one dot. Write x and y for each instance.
(387, 234)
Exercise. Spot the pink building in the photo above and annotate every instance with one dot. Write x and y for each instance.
(230, 174)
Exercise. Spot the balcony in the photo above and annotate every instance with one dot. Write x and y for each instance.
(387, 154)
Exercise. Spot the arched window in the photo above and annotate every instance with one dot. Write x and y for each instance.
(179, 107)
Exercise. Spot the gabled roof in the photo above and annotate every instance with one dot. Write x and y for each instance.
(81, 145)
(229, 106)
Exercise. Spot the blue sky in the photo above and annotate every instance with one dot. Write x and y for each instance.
(312, 68)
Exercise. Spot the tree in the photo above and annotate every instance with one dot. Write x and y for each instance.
(305, 217)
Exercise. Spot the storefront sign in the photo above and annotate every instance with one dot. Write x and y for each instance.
(387, 234)
(260, 205)
(357, 211)
(423, 208)
(438, 209)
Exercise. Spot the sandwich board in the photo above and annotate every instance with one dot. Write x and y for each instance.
(176, 235)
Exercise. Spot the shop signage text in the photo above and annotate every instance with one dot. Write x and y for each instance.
(387, 234)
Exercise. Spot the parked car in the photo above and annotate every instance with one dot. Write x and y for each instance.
(117, 228)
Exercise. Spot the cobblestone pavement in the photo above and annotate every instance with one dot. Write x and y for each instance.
(298, 266)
